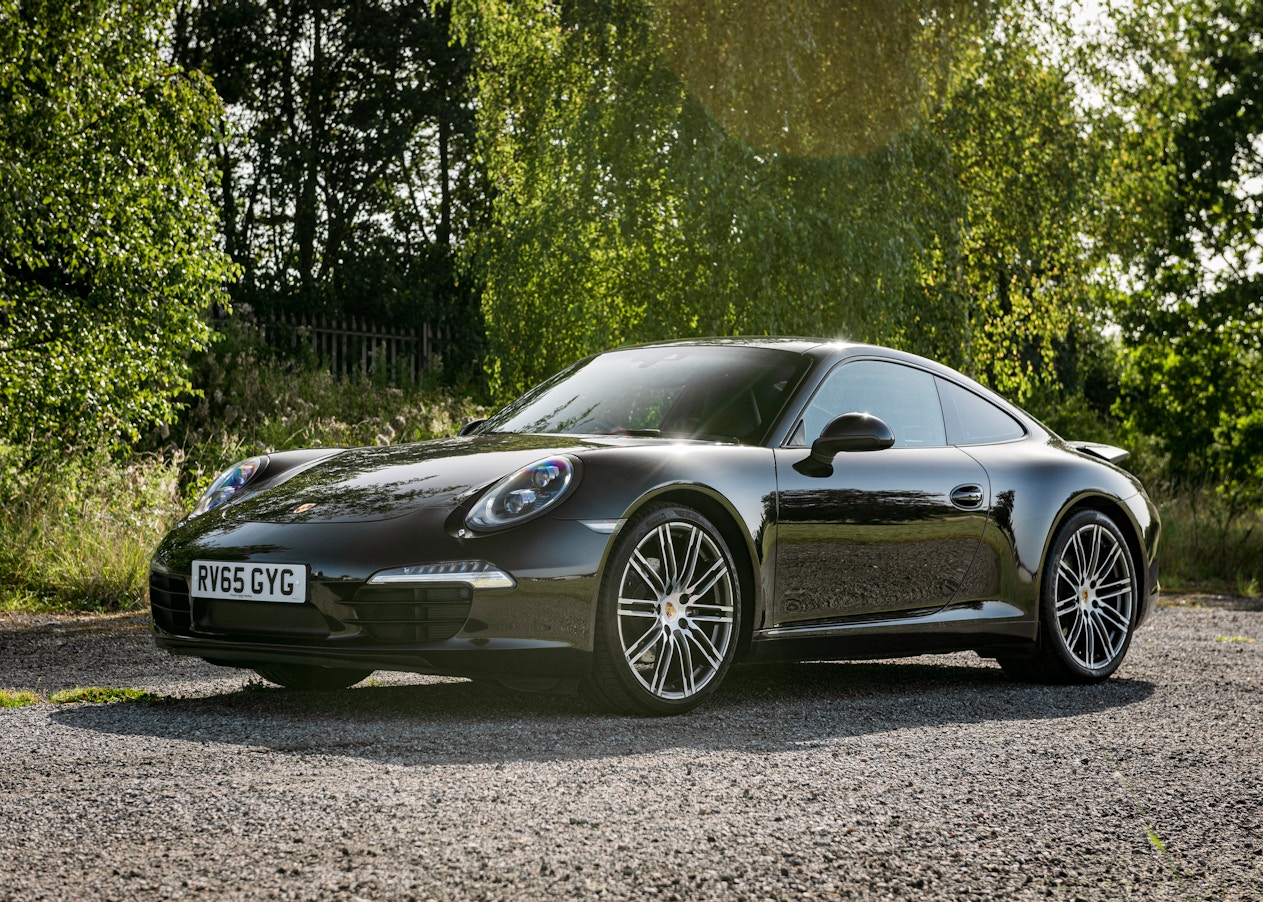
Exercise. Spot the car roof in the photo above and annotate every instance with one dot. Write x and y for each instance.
(820, 348)
(839, 348)
(794, 344)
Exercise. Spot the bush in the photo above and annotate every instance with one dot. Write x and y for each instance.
(1212, 538)
(78, 530)
(252, 401)
(1210, 543)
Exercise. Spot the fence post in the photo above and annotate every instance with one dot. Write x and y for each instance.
(404, 350)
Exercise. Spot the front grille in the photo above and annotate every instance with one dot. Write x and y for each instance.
(405, 614)
(169, 601)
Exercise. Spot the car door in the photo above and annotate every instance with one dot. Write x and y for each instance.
(876, 533)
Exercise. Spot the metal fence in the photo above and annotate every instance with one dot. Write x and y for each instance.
(357, 346)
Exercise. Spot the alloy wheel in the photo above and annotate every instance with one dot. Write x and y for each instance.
(1094, 596)
(675, 610)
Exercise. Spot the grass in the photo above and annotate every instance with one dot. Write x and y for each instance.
(100, 695)
(17, 699)
(1207, 547)
(252, 401)
(78, 529)
(77, 533)
(92, 695)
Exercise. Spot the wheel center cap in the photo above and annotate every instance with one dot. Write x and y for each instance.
(670, 610)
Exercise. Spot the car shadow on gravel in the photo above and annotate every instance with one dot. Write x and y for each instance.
(760, 708)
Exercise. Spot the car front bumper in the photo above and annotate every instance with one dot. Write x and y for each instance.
(540, 629)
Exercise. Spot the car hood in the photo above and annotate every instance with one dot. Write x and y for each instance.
(364, 484)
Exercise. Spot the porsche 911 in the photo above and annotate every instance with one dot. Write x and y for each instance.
(636, 524)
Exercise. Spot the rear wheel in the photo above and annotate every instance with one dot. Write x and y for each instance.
(1088, 604)
(307, 676)
(669, 615)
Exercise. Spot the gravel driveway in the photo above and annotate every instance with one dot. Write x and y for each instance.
(926, 778)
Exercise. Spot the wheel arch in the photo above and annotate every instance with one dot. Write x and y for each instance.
(715, 508)
(1122, 518)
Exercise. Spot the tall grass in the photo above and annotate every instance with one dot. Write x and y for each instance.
(252, 401)
(77, 531)
(1210, 546)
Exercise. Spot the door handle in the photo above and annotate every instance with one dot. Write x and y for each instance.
(967, 497)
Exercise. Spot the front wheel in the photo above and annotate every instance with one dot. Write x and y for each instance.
(307, 676)
(1088, 604)
(668, 617)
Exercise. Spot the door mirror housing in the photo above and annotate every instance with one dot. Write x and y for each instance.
(851, 432)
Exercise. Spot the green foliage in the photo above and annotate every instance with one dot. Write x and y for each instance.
(17, 699)
(102, 695)
(1016, 262)
(1194, 326)
(345, 179)
(624, 211)
(815, 79)
(78, 530)
(107, 240)
(1210, 545)
(252, 401)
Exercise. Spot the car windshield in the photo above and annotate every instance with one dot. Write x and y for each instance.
(709, 391)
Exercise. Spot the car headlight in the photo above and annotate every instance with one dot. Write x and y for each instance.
(227, 484)
(524, 494)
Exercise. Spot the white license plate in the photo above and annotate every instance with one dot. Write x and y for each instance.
(249, 582)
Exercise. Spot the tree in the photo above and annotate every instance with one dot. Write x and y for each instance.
(623, 210)
(659, 172)
(107, 238)
(1194, 327)
(1020, 267)
(344, 175)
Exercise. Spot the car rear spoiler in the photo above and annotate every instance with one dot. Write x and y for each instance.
(1104, 452)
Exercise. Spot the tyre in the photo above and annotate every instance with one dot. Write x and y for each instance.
(307, 676)
(1088, 604)
(668, 617)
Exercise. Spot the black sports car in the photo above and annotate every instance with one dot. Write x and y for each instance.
(646, 517)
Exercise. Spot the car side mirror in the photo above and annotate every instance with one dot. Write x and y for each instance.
(471, 426)
(851, 432)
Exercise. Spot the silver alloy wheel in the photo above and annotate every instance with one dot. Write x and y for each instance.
(1095, 596)
(675, 610)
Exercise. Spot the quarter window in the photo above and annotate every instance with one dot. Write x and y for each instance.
(973, 420)
(903, 397)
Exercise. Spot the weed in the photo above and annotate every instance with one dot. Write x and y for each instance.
(17, 699)
(100, 695)
(78, 532)
(1211, 544)
(1151, 833)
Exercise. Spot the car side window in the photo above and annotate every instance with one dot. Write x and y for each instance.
(904, 397)
(973, 420)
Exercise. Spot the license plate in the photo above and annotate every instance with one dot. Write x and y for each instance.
(249, 582)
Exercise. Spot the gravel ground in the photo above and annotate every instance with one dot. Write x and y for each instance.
(926, 778)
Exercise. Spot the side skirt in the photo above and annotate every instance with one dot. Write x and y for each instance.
(988, 627)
